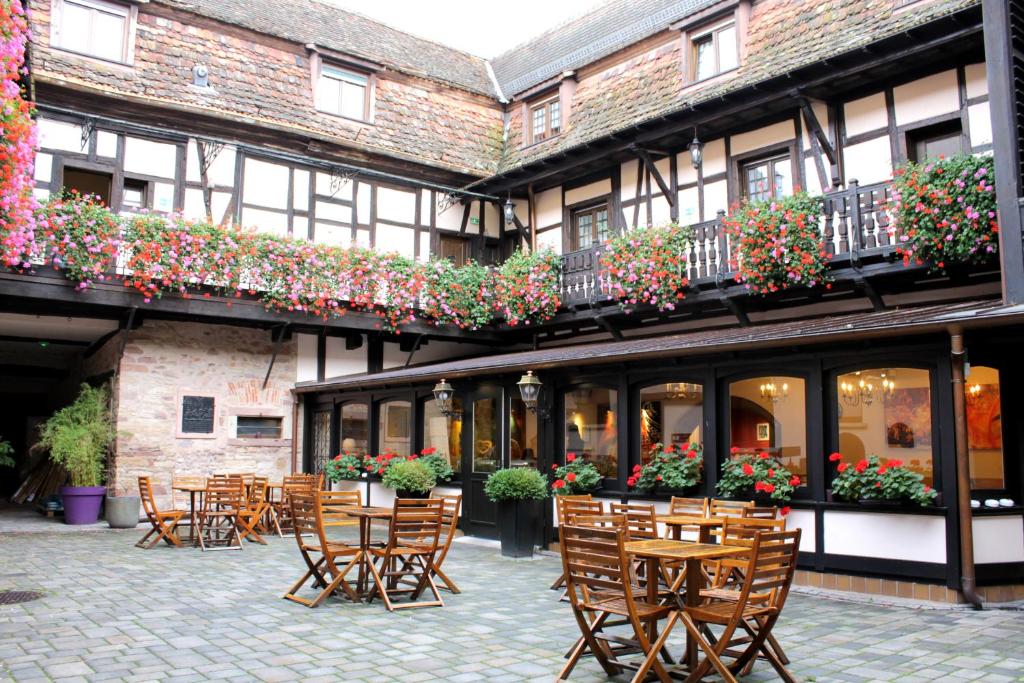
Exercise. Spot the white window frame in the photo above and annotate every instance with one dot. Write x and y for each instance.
(129, 12)
(550, 131)
(712, 32)
(355, 77)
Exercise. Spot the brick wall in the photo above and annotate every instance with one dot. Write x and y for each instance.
(161, 361)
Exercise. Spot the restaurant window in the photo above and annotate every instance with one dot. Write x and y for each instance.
(355, 428)
(714, 51)
(444, 434)
(590, 428)
(545, 120)
(765, 179)
(671, 414)
(257, 427)
(985, 429)
(887, 412)
(590, 226)
(394, 427)
(769, 414)
(486, 443)
(932, 142)
(93, 27)
(343, 92)
(522, 435)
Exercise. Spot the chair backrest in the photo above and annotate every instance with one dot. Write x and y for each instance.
(688, 506)
(743, 530)
(602, 521)
(579, 507)
(594, 559)
(729, 508)
(333, 505)
(450, 515)
(305, 513)
(641, 520)
(257, 493)
(148, 500)
(772, 565)
(416, 522)
(224, 493)
(292, 482)
(755, 512)
(191, 480)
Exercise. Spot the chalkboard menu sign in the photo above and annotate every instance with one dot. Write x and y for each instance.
(197, 414)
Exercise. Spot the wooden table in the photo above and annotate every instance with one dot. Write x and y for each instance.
(366, 515)
(704, 525)
(654, 551)
(192, 490)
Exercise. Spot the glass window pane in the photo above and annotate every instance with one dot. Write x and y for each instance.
(670, 413)
(353, 100)
(355, 428)
(603, 232)
(555, 112)
(539, 125)
(584, 230)
(770, 414)
(75, 27)
(444, 434)
(728, 53)
(108, 36)
(328, 95)
(945, 147)
(590, 428)
(486, 452)
(393, 429)
(985, 428)
(886, 412)
(522, 435)
(758, 188)
(783, 180)
(704, 58)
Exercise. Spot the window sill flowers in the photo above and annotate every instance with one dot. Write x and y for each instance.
(670, 467)
(648, 266)
(575, 477)
(749, 476)
(872, 480)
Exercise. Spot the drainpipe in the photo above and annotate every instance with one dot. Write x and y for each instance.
(295, 432)
(968, 580)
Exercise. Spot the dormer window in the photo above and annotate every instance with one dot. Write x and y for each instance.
(545, 119)
(343, 92)
(715, 51)
(96, 28)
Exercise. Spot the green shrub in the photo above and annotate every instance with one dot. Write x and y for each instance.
(409, 475)
(6, 453)
(438, 464)
(79, 435)
(517, 483)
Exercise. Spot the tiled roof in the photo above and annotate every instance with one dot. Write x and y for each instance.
(609, 27)
(329, 26)
(783, 35)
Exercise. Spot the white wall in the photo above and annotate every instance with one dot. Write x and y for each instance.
(886, 535)
(998, 539)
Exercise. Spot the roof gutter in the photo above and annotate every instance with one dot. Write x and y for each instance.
(495, 83)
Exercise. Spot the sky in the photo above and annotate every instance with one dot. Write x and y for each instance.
(485, 28)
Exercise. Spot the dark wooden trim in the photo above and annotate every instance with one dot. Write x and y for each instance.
(321, 357)
(653, 172)
(867, 136)
(894, 138)
(965, 123)
(637, 194)
(673, 182)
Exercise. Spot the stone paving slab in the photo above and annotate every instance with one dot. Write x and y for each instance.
(112, 612)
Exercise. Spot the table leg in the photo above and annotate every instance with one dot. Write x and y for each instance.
(677, 532)
(192, 517)
(704, 535)
(694, 584)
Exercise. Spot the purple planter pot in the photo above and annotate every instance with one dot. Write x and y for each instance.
(82, 503)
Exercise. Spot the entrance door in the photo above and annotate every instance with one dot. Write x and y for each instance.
(482, 453)
(320, 440)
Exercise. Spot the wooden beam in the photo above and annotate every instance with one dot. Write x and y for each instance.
(466, 206)
(656, 174)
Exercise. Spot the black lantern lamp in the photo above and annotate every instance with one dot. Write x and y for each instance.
(529, 388)
(443, 396)
(510, 211)
(696, 151)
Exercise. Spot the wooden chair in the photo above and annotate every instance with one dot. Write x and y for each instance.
(290, 483)
(574, 505)
(185, 480)
(253, 509)
(641, 520)
(409, 554)
(688, 506)
(162, 521)
(600, 585)
(729, 508)
(333, 505)
(607, 521)
(218, 518)
(308, 516)
(769, 571)
(449, 525)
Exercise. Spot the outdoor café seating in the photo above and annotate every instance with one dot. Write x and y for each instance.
(321, 555)
(164, 522)
(409, 554)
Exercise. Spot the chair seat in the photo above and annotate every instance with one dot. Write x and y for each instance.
(732, 595)
(618, 605)
(171, 513)
(333, 548)
(721, 612)
(401, 550)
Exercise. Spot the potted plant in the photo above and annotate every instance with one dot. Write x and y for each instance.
(757, 477)
(409, 478)
(77, 438)
(6, 453)
(344, 467)
(438, 464)
(518, 492)
(669, 468)
(870, 482)
(576, 476)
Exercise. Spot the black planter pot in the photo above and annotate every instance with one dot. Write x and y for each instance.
(412, 494)
(881, 503)
(518, 521)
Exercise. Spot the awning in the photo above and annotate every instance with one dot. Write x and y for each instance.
(853, 326)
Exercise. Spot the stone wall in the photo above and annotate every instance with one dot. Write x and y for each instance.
(163, 361)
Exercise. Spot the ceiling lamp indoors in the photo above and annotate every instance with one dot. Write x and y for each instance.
(865, 390)
(775, 392)
(681, 390)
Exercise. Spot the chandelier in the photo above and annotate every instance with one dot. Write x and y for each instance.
(775, 392)
(681, 390)
(865, 391)
(974, 392)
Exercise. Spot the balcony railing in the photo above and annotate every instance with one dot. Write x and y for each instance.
(855, 224)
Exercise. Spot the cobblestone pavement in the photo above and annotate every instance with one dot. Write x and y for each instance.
(113, 612)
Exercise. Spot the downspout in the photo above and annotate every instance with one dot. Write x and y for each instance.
(296, 399)
(968, 580)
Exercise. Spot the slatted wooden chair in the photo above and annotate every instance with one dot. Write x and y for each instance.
(729, 508)
(601, 586)
(163, 522)
(449, 526)
(333, 505)
(253, 508)
(688, 506)
(642, 520)
(293, 482)
(310, 512)
(755, 512)
(577, 505)
(409, 554)
(747, 623)
(606, 521)
(218, 518)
